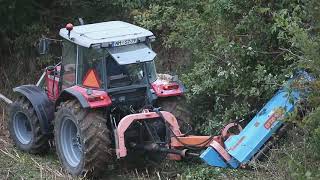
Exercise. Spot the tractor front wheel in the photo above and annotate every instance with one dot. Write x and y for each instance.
(82, 140)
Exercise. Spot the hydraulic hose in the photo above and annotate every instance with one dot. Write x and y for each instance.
(193, 146)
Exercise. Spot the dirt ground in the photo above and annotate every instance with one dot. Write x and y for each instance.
(3, 132)
(15, 164)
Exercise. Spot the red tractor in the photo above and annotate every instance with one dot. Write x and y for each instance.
(100, 101)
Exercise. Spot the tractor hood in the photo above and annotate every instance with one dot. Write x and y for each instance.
(130, 54)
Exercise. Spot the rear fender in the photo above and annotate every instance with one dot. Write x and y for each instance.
(94, 99)
(43, 107)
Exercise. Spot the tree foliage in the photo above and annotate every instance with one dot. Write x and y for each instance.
(24, 22)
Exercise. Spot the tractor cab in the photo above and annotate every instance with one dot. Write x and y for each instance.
(108, 64)
(115, 57)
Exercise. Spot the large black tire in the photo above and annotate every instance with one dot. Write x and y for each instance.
(92, 139)
(177, 105)
(24, 128)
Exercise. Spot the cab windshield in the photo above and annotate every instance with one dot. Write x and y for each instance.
(125, 75)
(114, 75)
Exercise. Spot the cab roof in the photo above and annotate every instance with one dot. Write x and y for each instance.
(105, 34)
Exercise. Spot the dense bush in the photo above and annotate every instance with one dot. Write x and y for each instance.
(23, 23)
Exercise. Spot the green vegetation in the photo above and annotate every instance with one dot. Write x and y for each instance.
(232, 55)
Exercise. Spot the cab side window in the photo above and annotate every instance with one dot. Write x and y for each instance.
(91, 59)
(69, 55)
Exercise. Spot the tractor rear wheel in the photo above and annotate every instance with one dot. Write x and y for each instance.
(177, 105)
(24, 128)
(82, 140)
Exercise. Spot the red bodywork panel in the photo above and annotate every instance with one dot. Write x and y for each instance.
(52, 82)
(98, 98)
(161, 88)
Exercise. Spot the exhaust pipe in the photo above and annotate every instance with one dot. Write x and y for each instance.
(5, 99)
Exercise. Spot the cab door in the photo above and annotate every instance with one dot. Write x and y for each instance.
(69, 61)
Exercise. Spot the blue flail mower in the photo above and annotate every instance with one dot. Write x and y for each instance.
(239, 149)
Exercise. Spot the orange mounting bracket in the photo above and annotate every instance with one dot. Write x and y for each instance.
(125, 122)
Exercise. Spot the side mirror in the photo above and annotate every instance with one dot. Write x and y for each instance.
(43, 46)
